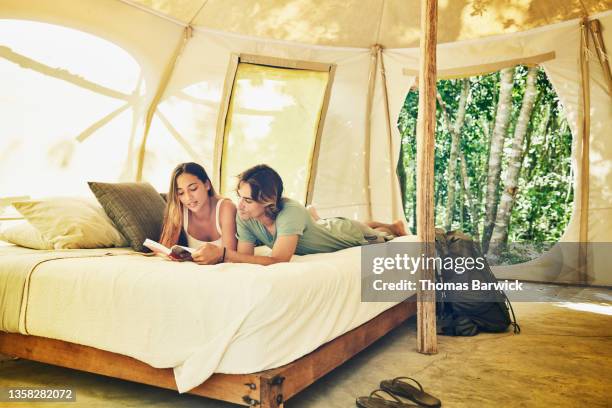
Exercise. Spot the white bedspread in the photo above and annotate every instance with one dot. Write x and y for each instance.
(229, 318)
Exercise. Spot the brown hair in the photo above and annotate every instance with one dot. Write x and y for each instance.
(172, 231)
(266, 188)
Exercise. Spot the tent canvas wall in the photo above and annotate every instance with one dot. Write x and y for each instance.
(107, 66)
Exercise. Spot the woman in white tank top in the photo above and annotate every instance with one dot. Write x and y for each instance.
(195, 215)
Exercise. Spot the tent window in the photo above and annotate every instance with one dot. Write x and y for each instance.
(68, 100)
(503, 169)
(274, 115)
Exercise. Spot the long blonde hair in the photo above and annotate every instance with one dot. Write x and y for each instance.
(172, 231)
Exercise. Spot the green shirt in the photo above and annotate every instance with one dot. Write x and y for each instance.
(325, 235)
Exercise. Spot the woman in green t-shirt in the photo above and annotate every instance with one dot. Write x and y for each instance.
(265, 217)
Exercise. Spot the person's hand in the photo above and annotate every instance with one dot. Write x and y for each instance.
(208, 254)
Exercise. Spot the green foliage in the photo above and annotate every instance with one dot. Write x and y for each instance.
(545, 195)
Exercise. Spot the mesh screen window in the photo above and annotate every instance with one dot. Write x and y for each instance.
(273, 117)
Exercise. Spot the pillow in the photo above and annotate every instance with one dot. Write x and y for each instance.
(137, 210)
(25, 235)
(71, 222)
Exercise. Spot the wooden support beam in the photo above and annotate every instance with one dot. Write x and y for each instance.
(602, 54)
(426, 127)
(393, 170)
(585, 159)
(368, 126)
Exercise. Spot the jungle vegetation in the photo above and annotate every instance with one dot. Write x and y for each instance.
(502, 161)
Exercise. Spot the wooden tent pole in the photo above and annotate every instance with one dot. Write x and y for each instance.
(585, 159)
(426, 127)
(602, 55)
(368, 126)
(393, 164)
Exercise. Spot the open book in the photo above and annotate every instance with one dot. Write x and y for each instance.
(176, 253)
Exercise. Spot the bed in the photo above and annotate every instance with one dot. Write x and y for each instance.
(246, 334)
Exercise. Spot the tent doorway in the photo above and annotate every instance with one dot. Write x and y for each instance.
(503, 161)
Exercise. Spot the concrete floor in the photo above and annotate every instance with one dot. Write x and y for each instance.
(562, 358)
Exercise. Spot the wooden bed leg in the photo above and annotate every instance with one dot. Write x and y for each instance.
(271, 391)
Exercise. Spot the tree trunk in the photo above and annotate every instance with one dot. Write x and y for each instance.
(542, 132)
(499, 237)
(403, 179)
(455, 131)
(414, 206)
(414, 183)
(461, 207)
(486, 127)
(482, 178)
(570, 185)
(465, 181)
(468, 197)
(502, 119)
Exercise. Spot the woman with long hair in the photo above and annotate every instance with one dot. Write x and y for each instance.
(265, 217)
(195, 214)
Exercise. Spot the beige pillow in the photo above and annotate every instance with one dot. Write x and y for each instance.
(25, 235)
(70, 222)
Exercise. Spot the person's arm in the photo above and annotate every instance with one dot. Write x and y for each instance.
(245, 247)
(283, 250)
(290, 224)
(227, 221)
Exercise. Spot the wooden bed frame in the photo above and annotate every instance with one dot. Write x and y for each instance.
(265, 389)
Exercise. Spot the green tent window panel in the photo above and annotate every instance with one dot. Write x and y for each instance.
(274, 116)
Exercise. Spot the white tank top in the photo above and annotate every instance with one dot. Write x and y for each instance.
(196, 243)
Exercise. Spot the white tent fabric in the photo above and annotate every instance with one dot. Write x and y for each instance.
(358, 23)
(185, 124)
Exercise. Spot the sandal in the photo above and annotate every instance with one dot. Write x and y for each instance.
(403, 389)
(375, 400)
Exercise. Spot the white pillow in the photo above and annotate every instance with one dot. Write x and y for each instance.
(25, 235)
(71, 222)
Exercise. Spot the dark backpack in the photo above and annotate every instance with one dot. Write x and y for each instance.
(467, 312)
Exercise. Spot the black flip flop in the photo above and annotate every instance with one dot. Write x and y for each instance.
(403, 389)
(375, 400)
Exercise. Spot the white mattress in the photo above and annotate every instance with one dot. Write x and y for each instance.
(229, 318)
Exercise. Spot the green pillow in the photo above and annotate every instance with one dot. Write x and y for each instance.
(137, 210)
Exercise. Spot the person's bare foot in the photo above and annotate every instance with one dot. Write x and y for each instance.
(376, 224)
(398, 228)
(313, 212)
